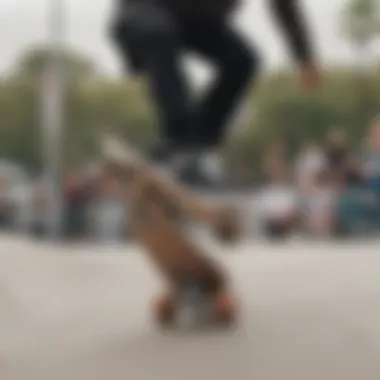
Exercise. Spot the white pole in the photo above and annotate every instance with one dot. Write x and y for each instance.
(52, 114)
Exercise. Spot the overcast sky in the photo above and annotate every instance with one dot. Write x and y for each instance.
(23, 22)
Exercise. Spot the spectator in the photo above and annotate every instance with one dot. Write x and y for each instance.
(278, 203)
(337, 154)
(310, 163)
(108, 211)
(319, 211)
(353, 176)
(275, 157)
(371, 164)
(76, 197)
(359, 204)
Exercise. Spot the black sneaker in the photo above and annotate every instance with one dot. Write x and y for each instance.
(192, 166)
(162, 153)
(202, 171)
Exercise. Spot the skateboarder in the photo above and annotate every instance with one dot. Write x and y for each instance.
(152, 34)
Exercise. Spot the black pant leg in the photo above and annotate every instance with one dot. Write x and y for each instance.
(155, 41)
(236, 62)
(152, 39)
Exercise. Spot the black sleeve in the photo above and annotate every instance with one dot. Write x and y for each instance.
(292, 22)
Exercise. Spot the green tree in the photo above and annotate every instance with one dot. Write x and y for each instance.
(104, 106)
(22, 91)
(284, 112)
(98, 105)
(32, 64)
(19, 125)
(361, 25)
(362, 20)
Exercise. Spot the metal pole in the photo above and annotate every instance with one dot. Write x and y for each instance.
(53, 97)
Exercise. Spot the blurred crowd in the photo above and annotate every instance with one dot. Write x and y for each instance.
(327, 190)
(93, 208)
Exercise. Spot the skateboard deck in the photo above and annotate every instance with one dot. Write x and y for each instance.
(195, 281)
(222, 219)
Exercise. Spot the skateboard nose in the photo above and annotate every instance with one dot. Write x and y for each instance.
(115, 150)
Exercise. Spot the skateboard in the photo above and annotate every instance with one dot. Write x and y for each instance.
(196, 283)
(223, 220)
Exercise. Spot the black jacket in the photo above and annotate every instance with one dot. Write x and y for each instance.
(286, 12)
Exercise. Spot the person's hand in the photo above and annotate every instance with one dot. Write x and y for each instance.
(310, 76)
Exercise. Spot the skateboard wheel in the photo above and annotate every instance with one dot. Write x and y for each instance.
(224, 308)
(164, 309)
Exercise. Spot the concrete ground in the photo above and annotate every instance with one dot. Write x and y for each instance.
(311, 311)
